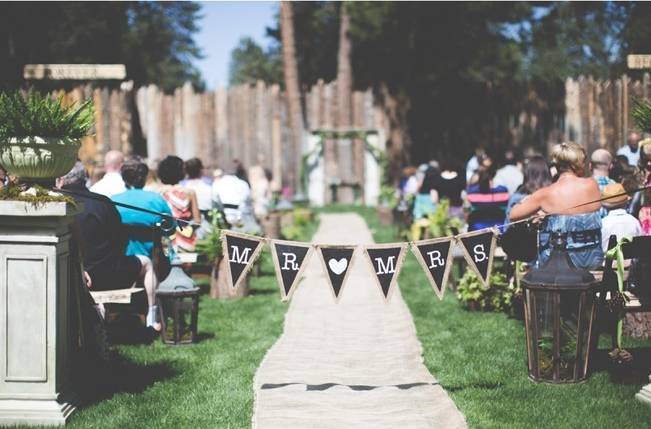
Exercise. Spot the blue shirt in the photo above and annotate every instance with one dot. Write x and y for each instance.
(146, 200)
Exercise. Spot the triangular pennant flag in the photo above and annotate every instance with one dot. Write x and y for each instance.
(435, 256)
(478, 248)
(240, 251)
(386, 261)
(289, 260)
(336, 261)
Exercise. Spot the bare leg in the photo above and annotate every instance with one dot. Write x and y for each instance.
(150, 281)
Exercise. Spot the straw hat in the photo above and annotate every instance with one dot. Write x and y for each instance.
(614, 194)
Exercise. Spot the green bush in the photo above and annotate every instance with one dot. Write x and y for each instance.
(39, 115)
(440, 222)
(211, 245)
(494, 297)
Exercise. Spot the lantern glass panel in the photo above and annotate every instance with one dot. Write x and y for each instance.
(179, 319)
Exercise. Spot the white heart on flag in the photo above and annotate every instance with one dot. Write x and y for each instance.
(339, 266)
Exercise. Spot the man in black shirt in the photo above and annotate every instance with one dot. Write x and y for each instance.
(102, 239)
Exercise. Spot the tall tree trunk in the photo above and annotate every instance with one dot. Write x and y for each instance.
(292, 86)
(396, 107)
(345, 154)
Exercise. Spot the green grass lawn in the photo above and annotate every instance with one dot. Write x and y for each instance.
(480, 359)
(205, 385)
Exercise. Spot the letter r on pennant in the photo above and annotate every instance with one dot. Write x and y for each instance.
(289, 258)
(435, 259)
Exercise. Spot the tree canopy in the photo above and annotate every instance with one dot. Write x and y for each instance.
(250, 63)
(154, 39)
(464, 72)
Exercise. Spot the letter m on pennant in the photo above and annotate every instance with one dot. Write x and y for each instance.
(240, 251)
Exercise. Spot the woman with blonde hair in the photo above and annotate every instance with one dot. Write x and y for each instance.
(572, 208)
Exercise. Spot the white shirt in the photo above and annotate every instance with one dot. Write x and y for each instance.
(234, 191)
(509, 176)
(203, 191)
(633, 158)
(471, 167)
(109, 185)
(411, 186)
(620, 224)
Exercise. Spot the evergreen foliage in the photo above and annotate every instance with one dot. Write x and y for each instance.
(154, 39)
(642, 114)
(250, 63)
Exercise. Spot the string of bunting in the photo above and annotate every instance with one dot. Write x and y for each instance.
(290, 259)
(434, 256)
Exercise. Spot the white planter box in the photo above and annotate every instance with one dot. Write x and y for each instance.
(34, 296)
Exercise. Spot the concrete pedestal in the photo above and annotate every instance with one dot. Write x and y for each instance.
(34, 297)
(644, 395)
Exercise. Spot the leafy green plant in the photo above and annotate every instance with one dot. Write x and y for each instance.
(494, 297)
(642, 114)
(388, 197)
(211, 245)
(301, 219)
(440, 222)
(39, 115)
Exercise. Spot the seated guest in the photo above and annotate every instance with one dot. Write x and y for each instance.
(643, 206)
(487, 201)
(620, 168)
(182, 201)
(260, 191)
(104, 243)
(536, 176)
(451, 185)
(617, 222)
(564, 201)
(631, 150)
(509, 175)
(112, 182)
(600, 163)
(199, 184)
(424, 202)
(134, 173)
(233, 195)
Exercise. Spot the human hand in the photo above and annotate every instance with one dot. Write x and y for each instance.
(89, 282)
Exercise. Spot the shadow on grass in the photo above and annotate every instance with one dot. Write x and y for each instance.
(98, 382)
(637, 372)
(262, 291)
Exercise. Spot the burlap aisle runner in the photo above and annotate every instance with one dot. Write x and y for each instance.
(357, 363)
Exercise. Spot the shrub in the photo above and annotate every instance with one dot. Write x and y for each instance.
(494, 297)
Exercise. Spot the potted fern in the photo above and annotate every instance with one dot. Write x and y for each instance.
(40, 136)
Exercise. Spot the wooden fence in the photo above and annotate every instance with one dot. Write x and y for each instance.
(246, 122)
(598, 113)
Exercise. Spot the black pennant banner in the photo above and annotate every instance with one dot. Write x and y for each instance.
(289, 259)
(435, 256)
(478, 249)
(336, 261)
(240, 251)
(386, 261)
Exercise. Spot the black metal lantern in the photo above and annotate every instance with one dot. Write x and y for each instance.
(559, 311)
(179, 307)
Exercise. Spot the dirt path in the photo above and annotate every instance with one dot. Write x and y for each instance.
(357, 363)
